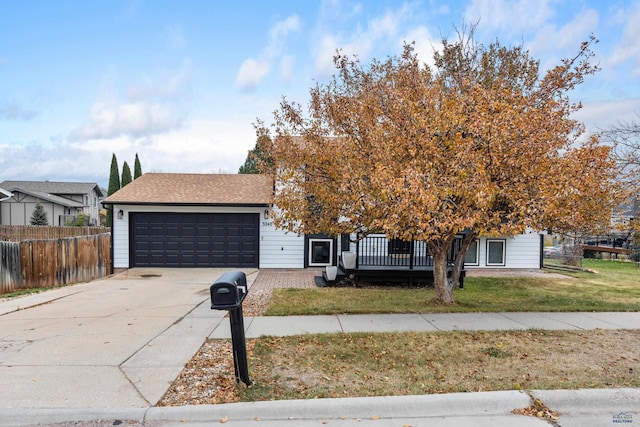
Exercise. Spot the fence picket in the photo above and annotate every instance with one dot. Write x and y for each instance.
(51, 262)
(18, 233)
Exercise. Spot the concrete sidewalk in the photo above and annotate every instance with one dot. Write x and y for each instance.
(296, 325)
(110, 349)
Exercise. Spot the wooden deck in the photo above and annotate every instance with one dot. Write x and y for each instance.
(379, 259)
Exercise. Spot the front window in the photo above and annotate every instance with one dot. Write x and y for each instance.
(473, 254)
(496, 252)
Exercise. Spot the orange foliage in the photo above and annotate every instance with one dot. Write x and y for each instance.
(477, 142)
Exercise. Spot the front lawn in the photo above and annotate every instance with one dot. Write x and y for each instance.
(613, 286)
(393, 364)
(349, 365)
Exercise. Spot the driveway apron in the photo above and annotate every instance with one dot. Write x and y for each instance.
(115, 342)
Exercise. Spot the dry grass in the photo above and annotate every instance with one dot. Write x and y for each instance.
(350, 365)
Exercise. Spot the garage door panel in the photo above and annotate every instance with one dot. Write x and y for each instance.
(195, 240)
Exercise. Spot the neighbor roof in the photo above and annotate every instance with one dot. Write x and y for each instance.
(195, 189)
(52, 187)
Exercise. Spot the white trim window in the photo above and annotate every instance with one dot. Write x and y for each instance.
(496, 252)
(320, 252)
(473, 254)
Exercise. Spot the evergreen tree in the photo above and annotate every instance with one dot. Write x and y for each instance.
(137, 169)
(126, 175)
(114, 184)
(39, 216)
(258, 159)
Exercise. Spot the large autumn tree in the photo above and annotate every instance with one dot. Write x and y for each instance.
(479, 143)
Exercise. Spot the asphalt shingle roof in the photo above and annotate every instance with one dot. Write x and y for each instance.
(52, 187)
(196, 189)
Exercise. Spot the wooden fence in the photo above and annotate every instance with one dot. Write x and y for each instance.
(44, 263)
(18, 233)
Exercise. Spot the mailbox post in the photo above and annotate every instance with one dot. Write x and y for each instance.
(227, 293)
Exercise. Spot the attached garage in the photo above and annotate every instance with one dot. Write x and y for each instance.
(194, 239)
(195, 220)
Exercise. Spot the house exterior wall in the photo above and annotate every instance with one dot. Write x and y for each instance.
(14, 212)
(278, 249)
(521, 252)
(281, 249)
(90, 205)
(18, 209)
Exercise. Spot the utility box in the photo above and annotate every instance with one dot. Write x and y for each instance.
(228, 292)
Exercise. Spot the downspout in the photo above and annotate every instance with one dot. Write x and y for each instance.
(109, 207)
(111, 246)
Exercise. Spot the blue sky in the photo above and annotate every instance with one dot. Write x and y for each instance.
(181, 82)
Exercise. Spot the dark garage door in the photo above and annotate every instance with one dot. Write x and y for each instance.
(194, 240)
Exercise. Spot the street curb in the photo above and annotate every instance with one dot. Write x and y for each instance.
(45, 416)
(385, 407)
(591, 401)
(582, 402)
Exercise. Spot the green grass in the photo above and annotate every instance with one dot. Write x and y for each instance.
(613, 286)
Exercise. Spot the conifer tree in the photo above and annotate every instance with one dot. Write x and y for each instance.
(39, 216)
(114, 184)
(126, 175)
(137, 168)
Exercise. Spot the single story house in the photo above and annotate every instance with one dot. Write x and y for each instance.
(223, 220)
(62, 201)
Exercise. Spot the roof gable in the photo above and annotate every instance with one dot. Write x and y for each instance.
(195, 189)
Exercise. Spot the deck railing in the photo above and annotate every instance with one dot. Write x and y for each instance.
(378, 251)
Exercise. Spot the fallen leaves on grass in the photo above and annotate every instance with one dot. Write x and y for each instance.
(355, 365)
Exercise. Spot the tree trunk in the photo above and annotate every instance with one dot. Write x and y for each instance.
(458, 262)
(444, 283)
(439, 250)
(444, 291)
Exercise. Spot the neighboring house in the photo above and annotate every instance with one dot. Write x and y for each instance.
(622, 215)
(63, 201)
(217, 220)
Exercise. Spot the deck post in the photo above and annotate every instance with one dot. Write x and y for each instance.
(411, 253)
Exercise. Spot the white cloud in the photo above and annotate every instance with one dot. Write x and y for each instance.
(629, 46)
(601, 115)
(279, 32)
(149, 107)
(510, 16)
(109, 120)
(253, 70)
(424, 44)
(325, 51)
(569, 36)
(377, 31)
(251, 73)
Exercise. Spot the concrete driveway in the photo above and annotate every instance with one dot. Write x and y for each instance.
(116, 342)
